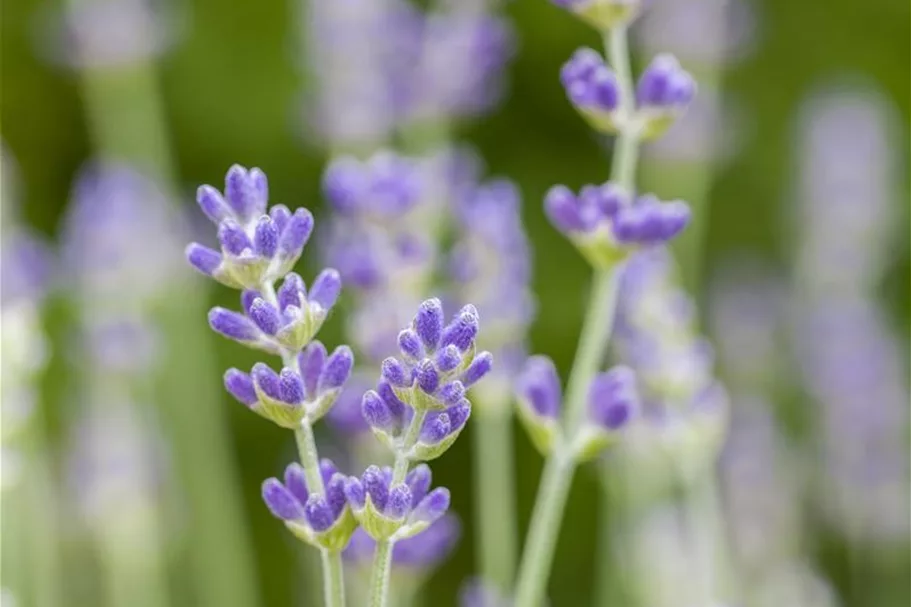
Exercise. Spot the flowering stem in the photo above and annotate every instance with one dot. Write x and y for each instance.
(382, 567)
(411, 437)
(596, 330)
(494, 495)
(306, 447)
(558, 471)
(333, 579)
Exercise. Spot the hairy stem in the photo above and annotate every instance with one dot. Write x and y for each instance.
(333, 579)
(379, 578)
(495, 494)
(309, 457)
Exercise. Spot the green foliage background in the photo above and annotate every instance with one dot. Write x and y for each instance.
(230, 87)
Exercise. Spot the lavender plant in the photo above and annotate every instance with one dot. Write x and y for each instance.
(607, 223)
(257, 250)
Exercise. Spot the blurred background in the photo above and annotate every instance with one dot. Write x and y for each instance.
(795, 160)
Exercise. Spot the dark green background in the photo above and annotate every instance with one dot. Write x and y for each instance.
(230, 88)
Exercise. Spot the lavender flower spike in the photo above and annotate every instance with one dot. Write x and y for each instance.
(324, 519)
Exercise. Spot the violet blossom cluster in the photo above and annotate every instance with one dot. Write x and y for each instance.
(419, 406)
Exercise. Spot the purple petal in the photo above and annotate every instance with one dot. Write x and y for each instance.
(376, 486)
(463, 329)
(291, 386)
(280, 501)
(265, 238)
(204, 259)
(212, 204)
(398, 504)
(539, 385)
(428, 323)
(410, 344)
(335, 494)
(436, 428)
(355, 493)
(267, 380)
(266, 316)
(427, 377)
(326, 288)
(451, 393)
(312, 361)
(562, 209)
(393, 372)
(448, 358)
(289, 294)
(318, 513)
(418, 481)
(233, 238)
(338, 369)
(232, 324)
(296, 482)
(376, 413)
(240, 386)
(433, 506)
(296, 233)
(479, 367)
(458, 415)
(612, 397)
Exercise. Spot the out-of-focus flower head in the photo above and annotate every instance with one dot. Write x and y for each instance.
(603, 14)
(490, 264)
(607, 225)
(663, 93)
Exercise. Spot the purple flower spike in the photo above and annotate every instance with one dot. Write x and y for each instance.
(433, 506)
(394, 372)
(296, 482)
(240, 386)
(326, 288)
(318, 513)
(281, 502)
(479, 367)
(612, 398)
(399, 502)
(539, 386)
(204, 259)
(213, 204)
(428, 323)
(338, 369)
(266, 316)
(376, 486)
(463, 329)
(233, 325)
(312, 361)
(410, 344)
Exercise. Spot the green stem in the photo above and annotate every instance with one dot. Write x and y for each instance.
(333, 579)
(309, 456)
(558, 471)
(379, 579)
(382, 562)
(130, 550)
(495, 494)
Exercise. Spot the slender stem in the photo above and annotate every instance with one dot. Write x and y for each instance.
(379, 579)
(130, 551)
(309, 456)
(495, 494)
(557, 477)
(542, 534)
(411, 437)
(333, 579)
